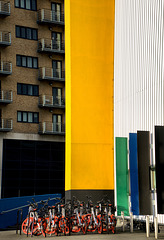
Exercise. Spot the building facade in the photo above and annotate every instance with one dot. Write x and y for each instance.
(138, 103)
(32, 133)
(32, 97)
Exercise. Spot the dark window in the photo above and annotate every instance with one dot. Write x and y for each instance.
(27, 89)
(29, 33)
(18, 61)
(25, 61)
(33, 5)
(19, 88)
(45, 161)
(18, 34)
(34, 34)
(28, 117)
(35, 62)
(35, 90)
(30, 92)
(24, 89)
(26, 4)
(26, 33)
(36, 118)
(23, 33)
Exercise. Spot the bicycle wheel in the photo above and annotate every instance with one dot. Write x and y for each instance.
(91, 227)
(63, 226)
(26, 225)
(51, 227)
(43, 225)
(66, 227)
(84, 225)
(108, 225)
(74, 225)
(100, 227)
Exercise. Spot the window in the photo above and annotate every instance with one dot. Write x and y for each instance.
(18, 34)
(24, 90)
(18, 60)
(35, 34)
(24, 116)
(35, 62)
(26, 33)
(19, 116)
(24, 61)
(16, 3)
(30, 90)
(35, 117)
(27, 89)
(29, 33)
(29, 62)
(28, 117)
(22, 4)
(22, 32)
(26, 4)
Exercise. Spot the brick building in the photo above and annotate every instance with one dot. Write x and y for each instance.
(32, 97)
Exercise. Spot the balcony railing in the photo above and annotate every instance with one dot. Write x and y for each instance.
(51, 102)
(5, 38)
(5, 68)
(51, 74)
(6, 125)
(4, 8)
(50, 17)
(6, 96)
(51, 128)
(51, 46)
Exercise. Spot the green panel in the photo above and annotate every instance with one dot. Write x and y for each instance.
(122, 179)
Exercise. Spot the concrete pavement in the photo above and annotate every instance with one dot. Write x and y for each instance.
(137, 235)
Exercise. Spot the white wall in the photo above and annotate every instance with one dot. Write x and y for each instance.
(138, 66)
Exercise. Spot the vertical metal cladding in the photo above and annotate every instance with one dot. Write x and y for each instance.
(138, 66)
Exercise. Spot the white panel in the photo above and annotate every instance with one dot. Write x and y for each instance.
(138, 66)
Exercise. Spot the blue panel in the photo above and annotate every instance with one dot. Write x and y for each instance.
(10, 206)
(134, 173)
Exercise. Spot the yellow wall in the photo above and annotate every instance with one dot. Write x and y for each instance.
(89, 37)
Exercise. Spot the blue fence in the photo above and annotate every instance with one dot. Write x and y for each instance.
(9, 207)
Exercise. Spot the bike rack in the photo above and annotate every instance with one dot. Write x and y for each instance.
(148, 219)
(19, 223)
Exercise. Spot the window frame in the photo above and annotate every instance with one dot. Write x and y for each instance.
(21, 86)
(26, 114)
(17, 4)
(19, 29)
(20, 57)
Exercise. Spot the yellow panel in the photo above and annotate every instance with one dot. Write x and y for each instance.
(89, 56)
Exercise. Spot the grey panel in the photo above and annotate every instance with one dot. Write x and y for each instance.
(143, 144)
(96, 195)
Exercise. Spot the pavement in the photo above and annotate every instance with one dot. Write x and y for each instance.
(136, 235)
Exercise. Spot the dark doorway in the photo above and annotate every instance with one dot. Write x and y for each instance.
(159, 157)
